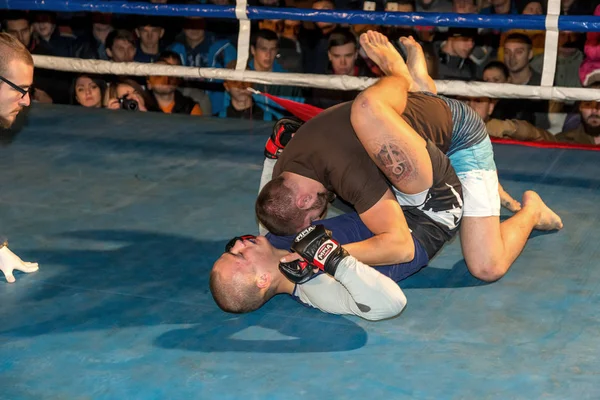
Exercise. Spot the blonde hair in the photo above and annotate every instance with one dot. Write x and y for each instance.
(11, 49)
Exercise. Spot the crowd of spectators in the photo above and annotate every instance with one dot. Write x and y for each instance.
(500, 56)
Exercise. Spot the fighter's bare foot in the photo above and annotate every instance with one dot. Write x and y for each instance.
(417, 64)
(384, 54)
(508, 201)
(549, 220)
(510, 204)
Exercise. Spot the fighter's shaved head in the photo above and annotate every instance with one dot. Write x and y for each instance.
(234, 289)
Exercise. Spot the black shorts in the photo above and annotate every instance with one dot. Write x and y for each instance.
(434, 215)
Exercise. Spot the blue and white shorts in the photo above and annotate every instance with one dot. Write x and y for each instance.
(472, 156)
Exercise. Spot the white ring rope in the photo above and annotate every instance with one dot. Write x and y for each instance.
(551, 43)
(455, 88)
(243, 48)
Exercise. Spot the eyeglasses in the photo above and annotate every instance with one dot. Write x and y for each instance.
(17, 88)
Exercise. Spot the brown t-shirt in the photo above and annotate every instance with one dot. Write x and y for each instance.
(431, 118)
(327, 149)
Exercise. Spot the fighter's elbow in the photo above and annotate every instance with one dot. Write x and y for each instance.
(403, 250)
(393, 307)
(398, 304)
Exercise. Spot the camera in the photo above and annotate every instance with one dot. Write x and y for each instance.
(128, 104)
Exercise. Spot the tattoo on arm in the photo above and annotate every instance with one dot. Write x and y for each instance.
(394, 163)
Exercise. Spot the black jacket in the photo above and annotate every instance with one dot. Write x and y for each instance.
(183, 104)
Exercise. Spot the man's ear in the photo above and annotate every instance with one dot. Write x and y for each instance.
(304, 201)
(109, 53)
(252, 51)
(226, 86)
(264, 281)
(162, 32)
(530, 54)
(491, 106)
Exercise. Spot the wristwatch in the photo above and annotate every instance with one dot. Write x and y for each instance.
(3, 242)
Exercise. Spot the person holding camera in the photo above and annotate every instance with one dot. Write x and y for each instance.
(127, 94)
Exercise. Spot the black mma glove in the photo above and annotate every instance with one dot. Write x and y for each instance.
(231, 243)
(297, 271)
(319, 249)
(283, 131)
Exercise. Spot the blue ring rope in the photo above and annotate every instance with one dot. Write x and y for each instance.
(534, 22)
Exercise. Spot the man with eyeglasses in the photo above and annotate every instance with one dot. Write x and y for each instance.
(16, 74)
(16, 77)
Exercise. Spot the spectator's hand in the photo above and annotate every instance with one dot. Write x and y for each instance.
(41, 97)
(500, 128)
(113, 104)
(140, 100)
(9, 261)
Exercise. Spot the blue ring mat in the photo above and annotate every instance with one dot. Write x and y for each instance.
(126, 212)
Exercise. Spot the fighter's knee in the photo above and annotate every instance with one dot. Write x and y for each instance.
(487, 272)
(364, 103)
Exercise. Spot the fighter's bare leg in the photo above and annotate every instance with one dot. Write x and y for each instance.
(417, 66)
(490, 248)
(391, 143)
